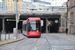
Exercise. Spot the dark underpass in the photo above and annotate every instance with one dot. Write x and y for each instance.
(9, 25)
(53, 28)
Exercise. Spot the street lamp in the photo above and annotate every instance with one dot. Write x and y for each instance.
(16, 17)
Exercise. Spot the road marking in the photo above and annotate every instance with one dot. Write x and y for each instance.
(61, 42)
(13, 49)
(63, 38)
(53, 49)
(35, 45)
(35, 48)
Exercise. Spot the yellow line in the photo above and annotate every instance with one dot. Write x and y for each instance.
(63, 38)
(13, 20)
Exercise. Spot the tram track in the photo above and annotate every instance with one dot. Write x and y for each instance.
(35, 46)
(13, 46)
(48, 42)
(36, 42)
(57, 38)
(23, 43)
(19, 44)
(45, 42)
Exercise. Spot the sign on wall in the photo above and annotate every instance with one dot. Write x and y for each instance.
(41, 22)
(56, 21)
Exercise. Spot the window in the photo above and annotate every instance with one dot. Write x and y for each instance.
(11, 4)
(11, 7)
(8, 4)
(52, 0)
(34, 26)
(8, 0)
(8, 7)
(14, 4)
(11, 0)
(3, 0)
(15, 8)
(19, 1)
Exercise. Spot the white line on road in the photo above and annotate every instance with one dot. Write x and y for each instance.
(35, 48)
(61, 42)
(13, 49)
(63, 38)
(53, 49)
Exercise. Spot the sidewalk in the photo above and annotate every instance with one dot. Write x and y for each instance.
(63, 35)
(11, 36)
(11, 40)
(7, 36)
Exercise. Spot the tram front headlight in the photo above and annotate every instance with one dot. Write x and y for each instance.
(37, 31)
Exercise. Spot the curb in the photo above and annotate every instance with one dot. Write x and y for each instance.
(64, 38)
(12, 41)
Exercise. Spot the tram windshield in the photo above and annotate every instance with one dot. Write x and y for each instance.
(33, 26)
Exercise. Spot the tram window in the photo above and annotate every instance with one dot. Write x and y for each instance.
(25, 27)
(33, 26)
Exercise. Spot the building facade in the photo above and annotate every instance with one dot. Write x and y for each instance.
(20, 5)
(24, 7)
(71, 16)
(0, 6)
(3, 6)
(27, 6)
(11, 5)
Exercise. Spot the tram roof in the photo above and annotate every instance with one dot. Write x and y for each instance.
(33, 18)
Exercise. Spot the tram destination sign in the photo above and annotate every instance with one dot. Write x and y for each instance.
(34, 21)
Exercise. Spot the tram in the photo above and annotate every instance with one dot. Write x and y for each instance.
(32, 27)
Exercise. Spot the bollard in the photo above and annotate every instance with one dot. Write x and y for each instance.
(5, 35)
(0, 36)
(9, 35)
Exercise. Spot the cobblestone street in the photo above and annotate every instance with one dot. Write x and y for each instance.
(45, 42)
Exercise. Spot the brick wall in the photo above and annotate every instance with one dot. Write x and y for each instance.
(71, 16)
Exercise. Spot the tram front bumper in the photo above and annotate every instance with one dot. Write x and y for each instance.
(34, 34)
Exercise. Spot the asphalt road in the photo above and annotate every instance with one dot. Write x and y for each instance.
(45, 42)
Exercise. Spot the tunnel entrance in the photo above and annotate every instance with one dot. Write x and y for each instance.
(12, 24)
(54, 26)
(43, 28)
(9, 25)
